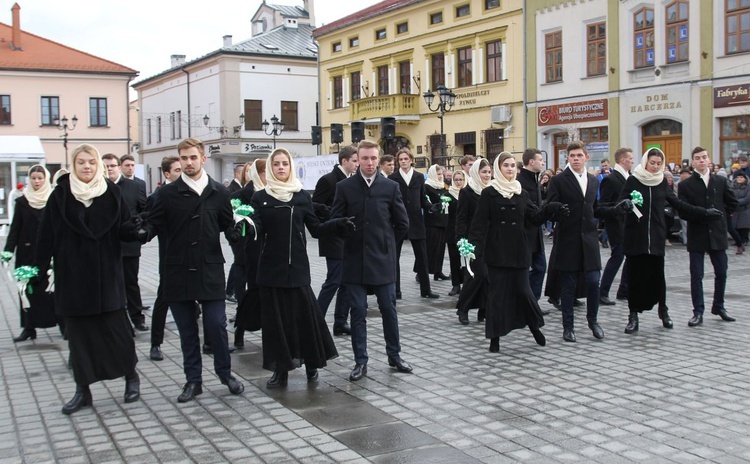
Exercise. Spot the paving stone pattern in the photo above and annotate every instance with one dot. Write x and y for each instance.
(660, 395)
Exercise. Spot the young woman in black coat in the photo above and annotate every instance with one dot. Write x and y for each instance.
(436, 223)
(248, 301)
(82, 227)
(22, 239)
(498, 233)
(294, 330)
(645, 237)
(474, 292)
(457, 277)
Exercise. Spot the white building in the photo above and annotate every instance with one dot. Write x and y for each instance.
(224, 97)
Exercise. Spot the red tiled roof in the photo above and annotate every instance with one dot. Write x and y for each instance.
(377, 9)
(41, 54)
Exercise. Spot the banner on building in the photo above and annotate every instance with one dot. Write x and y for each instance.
(573, 113)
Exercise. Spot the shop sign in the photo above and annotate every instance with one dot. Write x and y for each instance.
(470, 98)
(592, 110)
(733, 95)
(656, 102)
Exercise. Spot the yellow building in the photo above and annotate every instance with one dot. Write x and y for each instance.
(380, 61)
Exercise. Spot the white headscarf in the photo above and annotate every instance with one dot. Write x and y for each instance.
(86, 192)
(505, 187)
(60, 172)
(644, 176)
(38, 198)
(254, 177)
(453, 190)
(475, 180)
(432, 178)
(282, 191)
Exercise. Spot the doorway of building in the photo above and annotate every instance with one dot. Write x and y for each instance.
(666, 135)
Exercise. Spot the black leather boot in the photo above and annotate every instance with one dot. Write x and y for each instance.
(495, 345)
(26, 334)
(132, 387)
(239, 338)
(666, 321)
(80, 399)
(632, 323)
(278, 379)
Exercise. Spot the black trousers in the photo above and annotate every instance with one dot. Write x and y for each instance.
(158, 318)
(420, 264)
(130, 266)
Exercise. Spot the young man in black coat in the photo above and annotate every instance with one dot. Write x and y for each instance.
(707, 233)
(135, 198)
(331, 247)
(610, 189)
(417, 205)
(370, 259)
(190, 214)
(576, 243)
(533, 164)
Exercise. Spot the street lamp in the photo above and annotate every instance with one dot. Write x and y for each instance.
(62, 124)
(278, 128)
(223, 129)
(446, 102)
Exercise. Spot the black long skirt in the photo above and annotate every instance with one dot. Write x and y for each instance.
(40, 314)
(646, 282)
(474, 292)
(435, 249)
(511, 303)
(248, 311)
(294, 330)
(101, 346)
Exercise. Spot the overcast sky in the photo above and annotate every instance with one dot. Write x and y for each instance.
(142, 34)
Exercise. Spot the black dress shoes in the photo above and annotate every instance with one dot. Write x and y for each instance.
(132, 388)
(463, 317)
(455, 290)
(26, 334)
(538, 337)
(358, 372)
(278, 379)
(555, 303)
(545, 312)
(723, 314)
(605, 301)
(190, 391)
(235, 386)
(569, 335)
(156, 354)
(399, 364)
(81, 398)
(632, 326)
(239, 339)
(578, 303)
(480, 315)
(342, 329)
(141, 327)
(430, 295)
(312, 374)
(145, 308)
(695, 320)
(441, 276)
(597, 330)
(621, 296)
(207, 349)
(666, 321)
(495, 345)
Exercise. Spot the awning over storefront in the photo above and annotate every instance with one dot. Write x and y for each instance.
(21, 147)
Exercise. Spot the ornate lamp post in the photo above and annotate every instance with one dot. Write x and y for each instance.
(445, 103)
(62, 124)
(278, 128)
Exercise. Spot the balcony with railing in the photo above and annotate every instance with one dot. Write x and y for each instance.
(384, 105)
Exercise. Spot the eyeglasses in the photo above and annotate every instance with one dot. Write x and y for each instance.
(112, 166)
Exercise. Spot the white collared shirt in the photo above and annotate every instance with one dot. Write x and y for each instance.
(369, 180)
(406, 175)
(705, 176)
(583, 179)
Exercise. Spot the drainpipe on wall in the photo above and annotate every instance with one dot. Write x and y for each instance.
(525, 96)
(190, 119)
(317, 105)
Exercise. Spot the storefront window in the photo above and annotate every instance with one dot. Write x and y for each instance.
(735, 138)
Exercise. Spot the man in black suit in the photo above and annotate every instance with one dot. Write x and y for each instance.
(707, 233)
(576, 244)
(236, 183)
(237, 249)
(127, 167)
(135, 198)
(533, 164)
(381, 221)
(332, 246)
(189, 215)
(610, 189)
(417, 205)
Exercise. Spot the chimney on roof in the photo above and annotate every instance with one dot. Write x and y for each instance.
(15, 41)
(177, 60)
(309, 6)
(227, 41)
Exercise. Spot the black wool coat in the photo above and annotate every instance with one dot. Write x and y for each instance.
(609, 195)
(450, 227)
(529, 181)
(415, 201)
(135, 198)
(705, 234)
(331, 246)
(23, 232)
(468, 200)
(85, 244)
(498, 229)
(234, 186)
(576, 242)
(190, 228)
(281, 226)
(438, 219)
(381, 220)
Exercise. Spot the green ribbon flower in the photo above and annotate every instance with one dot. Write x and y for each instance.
(242, 213)
(466, 250)
(6, 256)
(22, 275)
(445, 200)
(636, 197)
